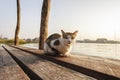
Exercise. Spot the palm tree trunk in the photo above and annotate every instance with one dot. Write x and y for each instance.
(44, 23)
(16, 39)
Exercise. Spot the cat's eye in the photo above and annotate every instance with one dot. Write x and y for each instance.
(72, 37)
(66, 37)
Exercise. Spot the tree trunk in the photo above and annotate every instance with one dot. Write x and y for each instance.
(16, 39)
(44, 23)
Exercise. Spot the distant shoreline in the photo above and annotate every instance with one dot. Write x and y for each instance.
(108, 42)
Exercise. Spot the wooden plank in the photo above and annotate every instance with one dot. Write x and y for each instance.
(115, 70)
(102, 65)
(46, 69)
(9, 70)
(95, 64)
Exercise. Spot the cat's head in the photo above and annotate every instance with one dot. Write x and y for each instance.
(69, 37)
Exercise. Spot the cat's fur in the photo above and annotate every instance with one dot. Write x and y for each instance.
(57, 44)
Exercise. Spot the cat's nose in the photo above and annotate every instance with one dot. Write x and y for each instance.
(69, 42)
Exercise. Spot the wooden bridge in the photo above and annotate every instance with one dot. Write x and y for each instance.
(21, 63)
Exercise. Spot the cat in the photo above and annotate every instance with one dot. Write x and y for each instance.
(60, 45)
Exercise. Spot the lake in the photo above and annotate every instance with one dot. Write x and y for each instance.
(92, 49)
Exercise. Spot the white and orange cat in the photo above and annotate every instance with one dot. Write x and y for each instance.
(61, 45)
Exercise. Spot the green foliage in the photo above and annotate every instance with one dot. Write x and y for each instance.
(22, 41)
(2, 41)
(11, 41)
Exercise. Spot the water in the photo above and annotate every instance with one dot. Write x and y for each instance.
(100, 50)
(91, 49)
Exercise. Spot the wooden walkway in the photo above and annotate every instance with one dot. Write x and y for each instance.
(9, 70)
(21, 63)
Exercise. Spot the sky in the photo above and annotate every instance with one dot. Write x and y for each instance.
(92, 18)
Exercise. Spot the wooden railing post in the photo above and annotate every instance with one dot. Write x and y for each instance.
(16, 39)
(44, 23)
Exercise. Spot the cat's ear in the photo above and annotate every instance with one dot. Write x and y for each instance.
(75, 33)
(62, 32)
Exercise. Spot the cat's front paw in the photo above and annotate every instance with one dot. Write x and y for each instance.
(64, 55)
